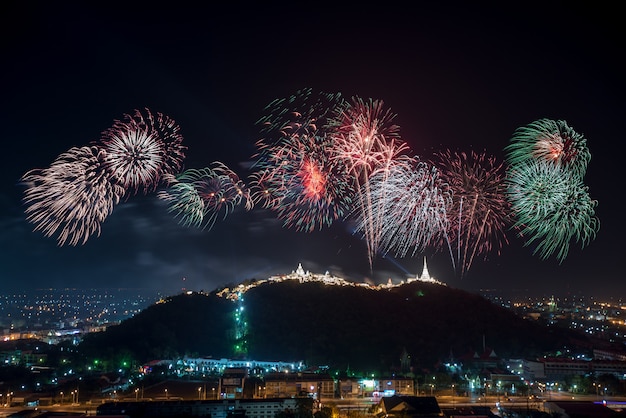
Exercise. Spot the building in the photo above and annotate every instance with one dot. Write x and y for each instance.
(425, 277)
(223, 408)
(560, 368)
(576, 409)
(408, 407)
(404, 386)
(232, 383)
(313, 385)
(487, 360)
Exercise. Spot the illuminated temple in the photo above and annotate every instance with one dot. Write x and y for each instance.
(305, 276)
(425, 277)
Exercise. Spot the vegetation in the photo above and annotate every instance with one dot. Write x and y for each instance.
(342, 327)
(187, 324)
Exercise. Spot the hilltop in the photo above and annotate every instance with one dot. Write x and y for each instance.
(328, 321)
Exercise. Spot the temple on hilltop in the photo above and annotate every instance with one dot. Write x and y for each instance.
(425, 277)
(300, 271)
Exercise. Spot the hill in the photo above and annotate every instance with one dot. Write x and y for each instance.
(356, 327)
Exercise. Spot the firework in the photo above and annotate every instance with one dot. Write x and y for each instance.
(552, 141)
(168, 133)
(552, 207)
(184, 202)
(479, 213)
(293, 173)
(73, 197)
(198, 197)
(366, 141)
(410, 201)
(141, 148)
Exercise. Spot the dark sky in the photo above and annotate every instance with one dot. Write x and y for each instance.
(459, 75)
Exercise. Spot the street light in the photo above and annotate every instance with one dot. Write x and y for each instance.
(61, 398)
(136, 394)
(199, 393)
(498, 387)
(453, 396)
(166, 397)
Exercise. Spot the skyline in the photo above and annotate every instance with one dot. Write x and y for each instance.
(458, 77)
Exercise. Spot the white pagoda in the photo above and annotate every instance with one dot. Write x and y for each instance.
(425, 277)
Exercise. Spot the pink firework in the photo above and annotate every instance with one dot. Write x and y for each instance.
(72, 197)
(366, 141)
(293, 174)
(313, 180)
(479, 215)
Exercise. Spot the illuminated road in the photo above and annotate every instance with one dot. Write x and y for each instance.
(85, 409)
(363, 404)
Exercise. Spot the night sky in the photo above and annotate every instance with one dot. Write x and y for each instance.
(458, 75)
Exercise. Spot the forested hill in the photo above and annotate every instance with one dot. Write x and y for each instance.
(339, 326)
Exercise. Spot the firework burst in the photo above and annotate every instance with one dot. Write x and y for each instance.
(552, 141)
(366, 142)
(73, 197)
(479, 213)
(547, 163)
(141, 148)
(410, 201)
(552, 207)
(184, 202)
(199, 197)
(293, 173)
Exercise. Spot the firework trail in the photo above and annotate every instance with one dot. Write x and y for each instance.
(142, 148)
(479, 213)
(293, 173)
(552, 141)
(552, 207)
(410, 200)
(198, 197)
(183, 201)
(365, 141)
(73, 197)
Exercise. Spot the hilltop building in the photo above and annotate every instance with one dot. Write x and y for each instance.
(425, 277)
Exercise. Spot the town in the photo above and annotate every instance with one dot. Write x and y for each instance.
(33, 323)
